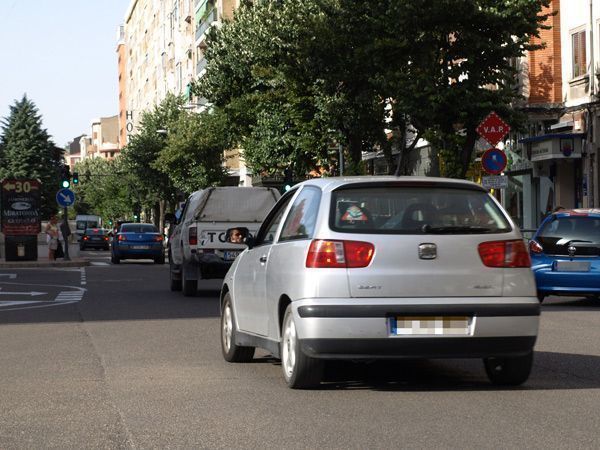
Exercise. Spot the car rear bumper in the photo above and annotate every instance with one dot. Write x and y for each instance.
(549, 281)
(125, 253)
(353, 331)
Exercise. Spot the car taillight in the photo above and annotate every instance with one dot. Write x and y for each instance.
(535, 247)
(504, 254)
(122, 237)
(193, 236)
(106, 238)
(344, 254)
(85, 238)
(158, 238)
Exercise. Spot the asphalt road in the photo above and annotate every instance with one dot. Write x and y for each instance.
(107, 357)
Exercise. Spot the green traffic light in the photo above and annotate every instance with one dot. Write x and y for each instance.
(65, 184)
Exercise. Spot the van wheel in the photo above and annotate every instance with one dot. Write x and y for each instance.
(189, 287)
(231, 351)
(509, 371)
(299, 370)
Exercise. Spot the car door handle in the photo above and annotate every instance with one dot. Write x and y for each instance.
(263, 259)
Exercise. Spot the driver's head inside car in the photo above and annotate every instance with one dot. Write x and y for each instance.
(236, 236)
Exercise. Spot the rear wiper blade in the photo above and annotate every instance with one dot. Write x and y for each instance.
(458, 229)
(565, 241)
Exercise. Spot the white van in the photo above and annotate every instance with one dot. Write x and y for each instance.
(84, 221)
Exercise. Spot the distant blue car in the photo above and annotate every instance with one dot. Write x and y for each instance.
(138, 241)
(565, 254)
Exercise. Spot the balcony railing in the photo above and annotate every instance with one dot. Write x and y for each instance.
(205, 24)
(201, 65)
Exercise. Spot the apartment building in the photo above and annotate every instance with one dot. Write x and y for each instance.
(555, 159)
(156, 50)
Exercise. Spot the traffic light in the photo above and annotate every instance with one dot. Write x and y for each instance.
(75, 178)
(65, 180)
(287, 180)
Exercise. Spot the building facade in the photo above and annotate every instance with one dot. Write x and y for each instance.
(554, 162)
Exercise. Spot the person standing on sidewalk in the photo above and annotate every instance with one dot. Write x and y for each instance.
(51, 231)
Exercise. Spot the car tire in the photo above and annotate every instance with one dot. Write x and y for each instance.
(159, 259)
(299, 370)
(509, 371)
(231, 351)
(174, 283)
(188, 287)
(115, 260)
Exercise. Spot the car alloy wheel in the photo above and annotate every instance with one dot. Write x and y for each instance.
(299, 370)
(231, 351)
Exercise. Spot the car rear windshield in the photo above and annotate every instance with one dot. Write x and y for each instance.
(96, 231)
(582, 231)
(415, 210)
(138, 228)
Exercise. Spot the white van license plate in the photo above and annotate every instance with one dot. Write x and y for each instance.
(427, 325)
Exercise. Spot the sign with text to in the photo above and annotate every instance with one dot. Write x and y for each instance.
(20, 207)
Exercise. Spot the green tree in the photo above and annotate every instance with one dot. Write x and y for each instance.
(192, 156)
(287, 73)
(106, 189)
(26, 151)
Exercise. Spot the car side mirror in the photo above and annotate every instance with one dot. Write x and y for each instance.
(239, 235)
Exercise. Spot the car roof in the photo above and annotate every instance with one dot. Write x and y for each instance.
(578, 212)
(332, 183)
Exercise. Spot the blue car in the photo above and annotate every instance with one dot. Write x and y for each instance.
(138, 241)
(565, 254)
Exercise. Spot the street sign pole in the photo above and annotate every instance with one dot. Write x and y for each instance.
(65, 226)
(65, 198)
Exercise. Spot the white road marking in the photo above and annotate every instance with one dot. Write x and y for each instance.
(31, 293)
(69, 296)
(99, 263)
(83, 277)
(11, 276)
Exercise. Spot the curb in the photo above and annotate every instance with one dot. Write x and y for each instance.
(25, 264)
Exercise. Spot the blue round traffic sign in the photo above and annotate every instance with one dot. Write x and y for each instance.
(493, 161)
(65, 197)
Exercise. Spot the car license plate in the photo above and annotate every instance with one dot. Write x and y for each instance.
(428, 325)
(572, 266)
(230, 255)
(140, 247)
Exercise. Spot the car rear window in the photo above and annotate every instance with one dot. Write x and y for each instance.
(138, 228)
(584, 231)
(415, 210)
(95, 231)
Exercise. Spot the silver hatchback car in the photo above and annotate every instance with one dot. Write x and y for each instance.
(383, 267)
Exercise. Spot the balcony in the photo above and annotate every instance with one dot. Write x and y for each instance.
(201, 66)
(206, 23)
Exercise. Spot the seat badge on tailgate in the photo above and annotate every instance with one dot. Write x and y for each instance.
(427, 251)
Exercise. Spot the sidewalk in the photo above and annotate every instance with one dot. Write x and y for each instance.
(43, 261)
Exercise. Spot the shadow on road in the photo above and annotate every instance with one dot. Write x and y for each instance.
(551, 371)
(556, 304)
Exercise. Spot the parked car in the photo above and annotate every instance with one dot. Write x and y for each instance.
(565, 254)
(95, 238)
(383, 267)
(197, 247)
(138, 241)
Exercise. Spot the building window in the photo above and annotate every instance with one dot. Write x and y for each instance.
(578, 56)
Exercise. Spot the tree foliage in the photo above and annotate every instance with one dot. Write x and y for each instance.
(291, 74)
(27, 151)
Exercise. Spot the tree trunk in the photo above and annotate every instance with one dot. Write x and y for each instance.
(467, 150)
